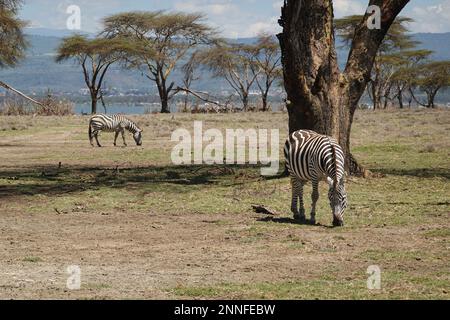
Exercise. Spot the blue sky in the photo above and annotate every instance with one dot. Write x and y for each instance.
(234, 18)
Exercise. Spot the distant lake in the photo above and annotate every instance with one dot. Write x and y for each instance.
(119, 108)
(137, 109)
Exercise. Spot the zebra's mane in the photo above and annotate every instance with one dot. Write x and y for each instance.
(333, 153)
(133, 127)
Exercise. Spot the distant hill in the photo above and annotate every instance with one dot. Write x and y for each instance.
(437, 42)
(39, 71)
(58, 33)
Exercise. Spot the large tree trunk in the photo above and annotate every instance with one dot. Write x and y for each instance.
(245, 101)
(264, 98)
(94, 106)
(164, 97)
(94, 101)
(320, 97)
(431, 97)
(375, 96)
(165, 104)
(400, 98)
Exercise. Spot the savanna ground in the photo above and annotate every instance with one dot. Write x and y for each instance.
(140, 227)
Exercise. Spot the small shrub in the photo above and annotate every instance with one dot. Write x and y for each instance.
(15, 108)
(52, 107)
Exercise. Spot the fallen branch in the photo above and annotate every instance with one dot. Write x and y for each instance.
(204, 99)
(7, 87)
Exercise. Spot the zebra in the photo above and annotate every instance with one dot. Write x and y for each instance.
(313, 157)
(114, 123)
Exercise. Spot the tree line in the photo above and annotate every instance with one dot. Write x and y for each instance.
(400, 70)
(156, 43)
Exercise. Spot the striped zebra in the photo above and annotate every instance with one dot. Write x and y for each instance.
(314, 157)
(114, 123)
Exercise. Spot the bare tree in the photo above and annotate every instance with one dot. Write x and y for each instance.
(162, 40)
(320, 97)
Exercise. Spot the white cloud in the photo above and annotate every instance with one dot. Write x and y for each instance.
(233, 18)
(269, 26)
(208, 7)
(348, 7)
(433, 18)
(278, 4)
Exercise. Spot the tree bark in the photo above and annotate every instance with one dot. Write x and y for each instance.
(164, 96)
(94, 106)
(94, 100)
(400, 100)
(320, 97)
(245, 101)
(264, 101)
(165, 104)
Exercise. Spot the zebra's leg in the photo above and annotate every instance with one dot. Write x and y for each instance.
(123, 137)
(96, 139)
(297, 195)
(115, 138)
(314, 198)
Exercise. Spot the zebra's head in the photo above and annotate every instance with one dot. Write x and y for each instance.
(338, 201)
(138, 137)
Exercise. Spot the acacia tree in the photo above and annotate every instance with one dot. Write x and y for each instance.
(320, 97)
(236, 64)
(163, 40)
(430, 78)
(388, 57)
(12, 39)
(402, 79)
(268, 65)
(95, 57)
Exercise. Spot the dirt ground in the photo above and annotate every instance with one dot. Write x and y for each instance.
(140, 228)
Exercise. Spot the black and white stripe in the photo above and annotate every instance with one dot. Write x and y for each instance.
(113, 123)
(314, 157)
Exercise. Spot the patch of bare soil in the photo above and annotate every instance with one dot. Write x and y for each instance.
(143, 255)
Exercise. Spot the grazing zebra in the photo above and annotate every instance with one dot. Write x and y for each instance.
(313, 157)
(114, 123)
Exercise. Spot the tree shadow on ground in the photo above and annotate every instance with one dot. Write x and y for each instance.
(54, 180)
(419, 172)
(285, 220)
